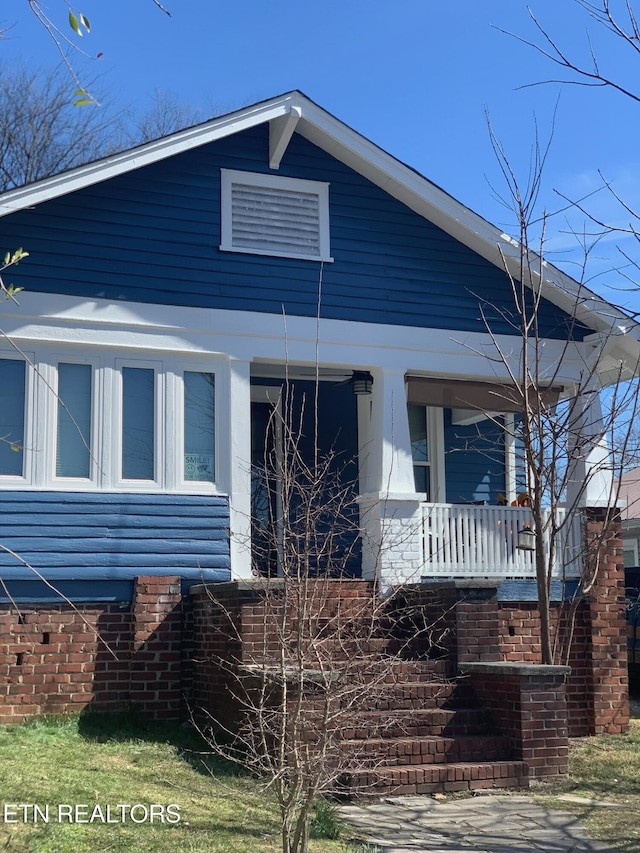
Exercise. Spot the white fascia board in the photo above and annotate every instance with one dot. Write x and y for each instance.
(65, 321)
(436, 205)
(143, 155)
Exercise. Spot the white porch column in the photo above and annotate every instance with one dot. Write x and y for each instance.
(590, 470)
(390, 462)
(239, 450)
(390, 511)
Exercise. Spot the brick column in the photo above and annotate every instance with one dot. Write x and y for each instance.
(606, 620)
(529, 705)
(156, 653)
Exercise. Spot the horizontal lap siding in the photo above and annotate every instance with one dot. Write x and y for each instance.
(474, 461)
(112, 537)
(153, 235)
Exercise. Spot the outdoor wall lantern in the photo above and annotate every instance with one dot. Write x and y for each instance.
(526, 539)
(362, 382)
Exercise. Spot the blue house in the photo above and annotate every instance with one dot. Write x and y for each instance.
(171, 292)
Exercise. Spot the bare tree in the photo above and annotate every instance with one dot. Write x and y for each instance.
(573, 440)
(615, 23)
(41, 133)
(622, 25)
(166, 115)
(319, 651)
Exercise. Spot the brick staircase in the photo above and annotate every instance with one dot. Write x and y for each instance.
(427, 734)
(404, 721)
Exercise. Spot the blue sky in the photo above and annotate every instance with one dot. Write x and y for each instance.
(414, 76)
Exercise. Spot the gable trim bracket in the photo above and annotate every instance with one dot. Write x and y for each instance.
(281, 130)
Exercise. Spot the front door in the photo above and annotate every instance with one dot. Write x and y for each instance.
(266, 450)
(322, 430)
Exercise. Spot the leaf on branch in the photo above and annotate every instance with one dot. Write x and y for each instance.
(85, 23)
(73, 23)
(82, 98)
(11, 290)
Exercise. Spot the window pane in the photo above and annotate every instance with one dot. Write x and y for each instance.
(73, 456)
(418, 432)
(421, 477)
(12, 378)
(199, 431)
(138, 417)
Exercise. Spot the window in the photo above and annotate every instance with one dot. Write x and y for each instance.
(138, 423)
(73, 446)
(419, 433)
(272, 215)
(12, 400)
(98, 420)
(199, 433)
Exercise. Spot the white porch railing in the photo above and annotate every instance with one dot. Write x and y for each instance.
(464, 540)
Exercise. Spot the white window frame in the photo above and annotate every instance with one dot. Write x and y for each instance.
(94, 455)
(158, 481)
(229, 177)
(31, 423)
(175, 449)
(434, 418)
(41, 421)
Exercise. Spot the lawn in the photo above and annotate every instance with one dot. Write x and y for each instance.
(111, 762)
(602, 770)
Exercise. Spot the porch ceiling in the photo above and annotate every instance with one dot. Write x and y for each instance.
(478, 396)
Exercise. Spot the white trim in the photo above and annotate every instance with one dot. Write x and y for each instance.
(29, 425)
(339, 344)
(233, 438)
(510, 462)
(56, 481)
(230, 178)
(280, 132)
(41, 413)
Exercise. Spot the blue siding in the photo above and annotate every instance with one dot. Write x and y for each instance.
(79, 541)
(474, 461)
(153, 235)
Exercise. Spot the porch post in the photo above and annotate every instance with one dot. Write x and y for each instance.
(391, 465)
(239, 451)
(390, 509)
(590, 481)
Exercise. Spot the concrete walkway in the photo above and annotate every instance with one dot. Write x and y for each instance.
(489, 823)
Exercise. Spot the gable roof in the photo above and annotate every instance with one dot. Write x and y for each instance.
(295, 112)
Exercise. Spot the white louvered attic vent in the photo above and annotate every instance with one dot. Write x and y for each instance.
(272, 215)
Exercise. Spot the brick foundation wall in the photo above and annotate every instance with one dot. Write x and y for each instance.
(64, 659)
(235, 625)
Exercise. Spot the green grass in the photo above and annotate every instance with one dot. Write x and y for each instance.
(106, 760)
(605, 769)
(113, 760)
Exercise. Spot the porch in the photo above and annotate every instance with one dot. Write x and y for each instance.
(428, 463)
(483, 541)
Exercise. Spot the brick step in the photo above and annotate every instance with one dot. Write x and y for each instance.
(426, 722)
(402, 696)
(434, 778)
(348, 648)
(385, 672)
(378, 752)
(408, 695)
